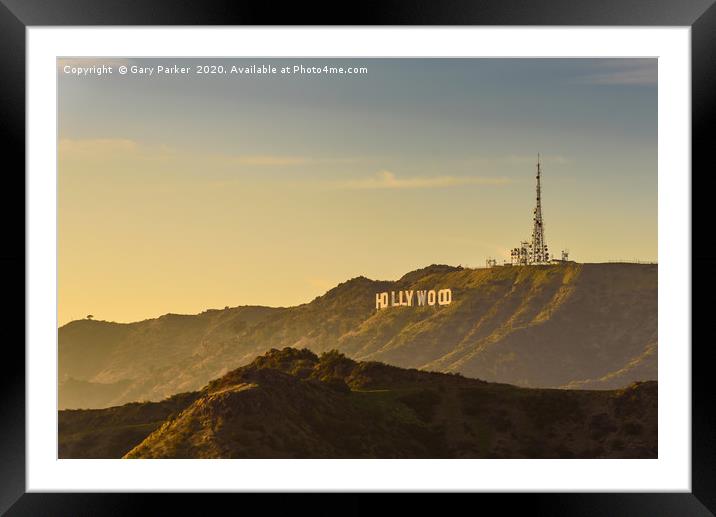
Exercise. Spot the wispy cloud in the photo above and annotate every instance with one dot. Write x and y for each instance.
(269, 160)
(104, 148)
(70, 145)
(279, 160)
(625, 72)
(388, 180)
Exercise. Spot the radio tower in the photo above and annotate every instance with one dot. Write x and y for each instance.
(538, 247)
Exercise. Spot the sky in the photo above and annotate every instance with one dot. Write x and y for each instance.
(183, 192)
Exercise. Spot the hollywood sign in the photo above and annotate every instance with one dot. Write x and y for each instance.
(413, 298)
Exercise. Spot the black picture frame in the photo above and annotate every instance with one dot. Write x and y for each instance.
(17, 15)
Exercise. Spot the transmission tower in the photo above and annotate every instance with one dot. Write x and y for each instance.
(538, 246)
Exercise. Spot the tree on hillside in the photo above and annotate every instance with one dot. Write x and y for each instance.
(90, 316)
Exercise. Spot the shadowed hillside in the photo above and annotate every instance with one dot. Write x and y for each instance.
(588, 326)
(293, 404)
(112, 432)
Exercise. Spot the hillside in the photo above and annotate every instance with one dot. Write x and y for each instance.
(293, 404)
(590, 326)
(112, 432)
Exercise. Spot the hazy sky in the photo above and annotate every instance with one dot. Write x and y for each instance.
(182, 193)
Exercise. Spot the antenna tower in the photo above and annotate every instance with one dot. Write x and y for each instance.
(539, 249)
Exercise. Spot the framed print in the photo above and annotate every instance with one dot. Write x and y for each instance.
(427, 252)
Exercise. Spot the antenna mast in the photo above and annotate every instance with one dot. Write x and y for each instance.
(535, 251)
(538, 246)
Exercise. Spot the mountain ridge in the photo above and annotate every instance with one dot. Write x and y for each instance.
(577, 325)
(293, 403)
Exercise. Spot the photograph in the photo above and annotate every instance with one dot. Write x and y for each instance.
(374, 258)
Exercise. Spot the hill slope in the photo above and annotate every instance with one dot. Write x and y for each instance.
(577, 325)
(293, 404)
(112, 432)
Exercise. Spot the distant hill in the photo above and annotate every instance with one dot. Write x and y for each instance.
(574, 325)
(293, 404)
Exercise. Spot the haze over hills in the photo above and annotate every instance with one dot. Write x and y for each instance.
(293, 404)
(562, 325)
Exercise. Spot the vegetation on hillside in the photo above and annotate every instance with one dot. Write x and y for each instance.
(293, 403)
(577, 325)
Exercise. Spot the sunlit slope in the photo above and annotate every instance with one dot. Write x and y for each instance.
(532, 326)
(582, 325)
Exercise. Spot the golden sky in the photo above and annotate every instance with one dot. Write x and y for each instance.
(178, 195)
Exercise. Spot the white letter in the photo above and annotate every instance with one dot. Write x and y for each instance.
(421, 297)
(409, 294)
(381, 300)
(444, 297)
(431, 297)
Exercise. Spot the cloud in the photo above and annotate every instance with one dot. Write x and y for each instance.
(118, 148)
(388, 180)
(91, 147)
(640, 72)
(114, 150)
(279, 160)
(269, 160)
